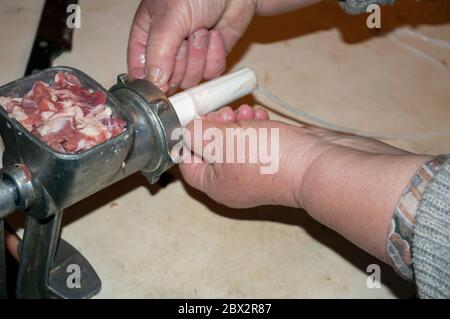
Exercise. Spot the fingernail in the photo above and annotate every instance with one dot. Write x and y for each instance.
(172, 89)
(227, 117)
(200, 39)
(261, 114)
(243, 109)
(156, 75)
(182, 51)
(215, 41)
(141, 58)
(137, 73)
(227, 114)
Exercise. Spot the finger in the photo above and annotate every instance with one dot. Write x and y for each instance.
(198, 48)
(212, 116)
(180, 68)
(164, 40)
(215, 58)
(245, 113)
(261, 114)
(137, 43)
(226, 115)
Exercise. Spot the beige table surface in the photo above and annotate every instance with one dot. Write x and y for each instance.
(146, 241)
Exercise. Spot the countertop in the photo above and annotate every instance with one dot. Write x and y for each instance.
(147, 241)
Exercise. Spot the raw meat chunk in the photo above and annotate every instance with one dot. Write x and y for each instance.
(66, 116)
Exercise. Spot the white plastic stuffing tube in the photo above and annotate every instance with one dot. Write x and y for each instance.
(210, 96)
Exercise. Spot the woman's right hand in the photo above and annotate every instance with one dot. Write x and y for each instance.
(178, 43)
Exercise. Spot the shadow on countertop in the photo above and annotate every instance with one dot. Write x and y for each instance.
(300, 218)
(352, 28)
(275, 214)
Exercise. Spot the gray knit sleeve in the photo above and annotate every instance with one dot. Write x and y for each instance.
(431, 244)
(360, 6)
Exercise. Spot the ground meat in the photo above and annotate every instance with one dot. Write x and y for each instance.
(65, 115)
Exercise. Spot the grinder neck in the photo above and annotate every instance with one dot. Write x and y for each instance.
(154, 121)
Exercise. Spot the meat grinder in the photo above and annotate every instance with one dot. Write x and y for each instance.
(42, 182)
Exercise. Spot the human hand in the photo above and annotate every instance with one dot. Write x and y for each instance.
(180, 42)
(243, 185)
(177, 43)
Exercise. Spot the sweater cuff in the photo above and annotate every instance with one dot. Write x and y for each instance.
(401, 234)
(360, 6)
(431, 246)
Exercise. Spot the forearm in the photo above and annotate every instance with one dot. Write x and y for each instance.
(355, 193)
(272, 7)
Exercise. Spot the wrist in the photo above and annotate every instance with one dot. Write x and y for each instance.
(342, 166)
(355, 193)
(294, 166)
(309, 167)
